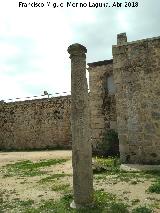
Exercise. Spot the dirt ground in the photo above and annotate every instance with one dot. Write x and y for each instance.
(10, 157)
(25, 188)
(29, 188)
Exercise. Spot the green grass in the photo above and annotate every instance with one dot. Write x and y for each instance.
(55, 181)
(110, 167)
(155, 204)
(101, 165)
(135, 201)
(151, 174)
(155, 188)
(60, 187)
(108, 162)
(16, 205)
(103, 202)
(120, 176)
(25, 203)
(142, 209)
(53, 177)
(29, 168)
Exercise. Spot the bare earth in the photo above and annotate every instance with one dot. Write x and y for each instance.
(28, 187)
(7, 157)
(25, 188)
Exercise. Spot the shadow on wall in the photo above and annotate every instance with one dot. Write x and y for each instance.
(109, 146)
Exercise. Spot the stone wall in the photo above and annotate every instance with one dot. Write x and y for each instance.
(133, 110)
(136, 69)
(35, 124)
(102, 103)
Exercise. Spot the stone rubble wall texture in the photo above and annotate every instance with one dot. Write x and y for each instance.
(35, 124)
(136, 69)
(102, 104)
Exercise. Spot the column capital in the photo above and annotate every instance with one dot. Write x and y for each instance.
(77, 50)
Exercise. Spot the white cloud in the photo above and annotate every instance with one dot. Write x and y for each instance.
(7, 50)
(50, 34)
(122, 19)
(34, 42)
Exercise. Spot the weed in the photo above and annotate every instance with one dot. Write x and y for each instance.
(103, 202)
(155, 188)
(59, 187)
(152, 174)
(29, 168)
(53, 177)
(155, 204)
(142, 209)
(102, 165)
(134, 182)
(25, 202)
(15, 205)
(135, 201)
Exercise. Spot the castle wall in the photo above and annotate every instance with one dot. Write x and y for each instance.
(35, 124)
(136, 69)
(102, 104)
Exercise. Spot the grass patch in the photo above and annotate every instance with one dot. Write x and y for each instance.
(123, 176)
(108, 162)
(128, 177)
(102, 165)
(53, 177)
(15, 205)
(154, 188)
(135, 201)
(151, 174)
(111, 166)
(25, 203)
(103, 202)
(142, 209)
(60, 187)
(29, 168)
(57, 185)
(155, 204)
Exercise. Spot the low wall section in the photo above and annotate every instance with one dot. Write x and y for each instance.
(35, 124)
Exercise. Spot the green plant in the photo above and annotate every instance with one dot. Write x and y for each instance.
(142, 209)
(155, 188)
(53, 177)
(135, 201)
(29, 168)
(60, 187)
(102, 165)
(103, 202)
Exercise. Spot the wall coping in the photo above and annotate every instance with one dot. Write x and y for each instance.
(100, 63)
(36, 100)
(138, 41)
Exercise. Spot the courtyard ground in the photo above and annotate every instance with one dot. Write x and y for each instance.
(41, 181)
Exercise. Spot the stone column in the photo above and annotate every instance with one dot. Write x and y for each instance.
(80, 125)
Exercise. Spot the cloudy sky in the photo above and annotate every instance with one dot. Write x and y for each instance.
(34, 40)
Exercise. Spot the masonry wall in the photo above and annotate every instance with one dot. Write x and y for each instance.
(35, 124)
(102, 104)
(136, 69)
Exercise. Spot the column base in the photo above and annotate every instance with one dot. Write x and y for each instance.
(73, 205)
